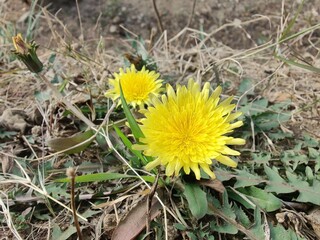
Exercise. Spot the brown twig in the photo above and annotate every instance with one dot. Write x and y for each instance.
(190, 19)
(71, 173)
(158, 15)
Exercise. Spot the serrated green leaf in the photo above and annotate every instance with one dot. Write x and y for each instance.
(269, 120)
(278, 232)
(89, 213)
(307, 193)
(279, 185)
(241, 198)
(313, 153)
(223, 228)
(257, 107)
(226, 206)
(258, 227)
(264, 200)
(279, 135)
(244, 179)
(246, 85)
(242, 216)
(228, 213)
(57, 191)
(6, 134)
(197, 200)
(309, 141)
(261, 158)
(192, 236)
(250, 233)
(276, 183)
(293, 158)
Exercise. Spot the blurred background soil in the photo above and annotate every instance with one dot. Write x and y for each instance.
(112, 17)
(233, 26)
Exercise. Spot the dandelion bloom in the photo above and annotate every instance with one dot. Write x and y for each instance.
(137, 86)
(187, 129)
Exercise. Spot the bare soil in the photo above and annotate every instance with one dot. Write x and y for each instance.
(235, 25)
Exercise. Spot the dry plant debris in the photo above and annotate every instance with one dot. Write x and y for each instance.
(264, 53)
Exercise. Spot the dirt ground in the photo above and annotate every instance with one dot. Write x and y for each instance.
(234, 25)
(114, 17)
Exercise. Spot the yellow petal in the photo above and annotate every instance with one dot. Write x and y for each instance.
(228, 151)
(207, 170)
(170, 168)
(196, 170)
(226, 161)
(153, 164)
(236, 141)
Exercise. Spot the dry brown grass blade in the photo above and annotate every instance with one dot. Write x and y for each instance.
(158, 16)
(7, 216)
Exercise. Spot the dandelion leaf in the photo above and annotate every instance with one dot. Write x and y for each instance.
(245, 179)
(225, 227)
(276, 183)
(258, 228)
(308, 193)
(278, 232)
(228, 213)
(242, 217)
(262, 199)
(197, 200)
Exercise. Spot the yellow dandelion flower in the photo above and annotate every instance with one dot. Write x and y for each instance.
(187, 129)
(137, 86)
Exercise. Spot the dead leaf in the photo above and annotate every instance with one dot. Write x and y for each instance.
(6, 163)
(73, 144)
(314, 218)
(214, 184)
(276, 97)
(109, 222)
(135, 221)
(14, 120)
(295, 220)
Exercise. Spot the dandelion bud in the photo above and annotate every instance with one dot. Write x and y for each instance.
(26, 52)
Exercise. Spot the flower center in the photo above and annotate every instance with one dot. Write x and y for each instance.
(138, 90)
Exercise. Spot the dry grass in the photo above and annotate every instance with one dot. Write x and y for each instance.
(87, 65)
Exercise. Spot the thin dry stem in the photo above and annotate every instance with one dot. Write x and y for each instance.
(59, 97)
(71, 173)
(158, 16)
(7, 216)
(28, 183)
